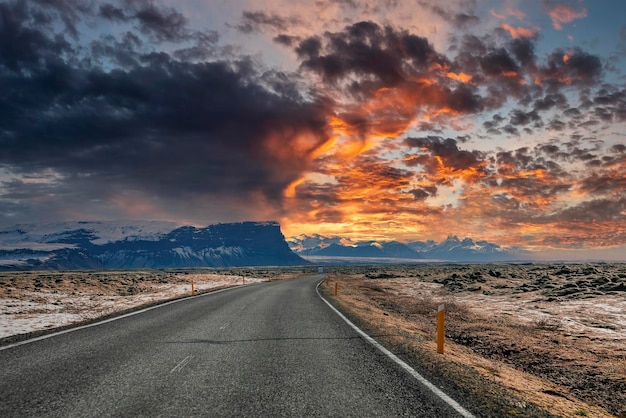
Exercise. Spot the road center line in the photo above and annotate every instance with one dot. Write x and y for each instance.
(448, 400)
(182, 364)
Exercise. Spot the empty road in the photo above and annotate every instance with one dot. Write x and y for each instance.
(268, 349)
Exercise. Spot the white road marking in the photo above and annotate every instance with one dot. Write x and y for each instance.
(182, 364)
(224, 326)
(448, 400)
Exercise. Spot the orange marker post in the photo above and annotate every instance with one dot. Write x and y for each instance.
(192, 289)
(441, 313)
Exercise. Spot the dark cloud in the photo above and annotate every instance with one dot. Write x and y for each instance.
(309, 48)
(523, 50)
(519, 160)
(619, 148)
(448, 151)
(459, 20)
(462, 20)
(26, 48)
(69, 12)
(556, 125)
(600, 210)
(286, 40)
(511, 130)
(256, 21)
(550, 101)
(550, 149)
(572, 112)
(573, 67)
(611, 105)
(155, 124)
(390, 69)
(162, 24)
(423, 193)
(112, 13)
(519, 117)
(366, 49)
(498, 62)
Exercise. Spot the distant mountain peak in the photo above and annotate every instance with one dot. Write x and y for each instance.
(450, 249)
(143, 244)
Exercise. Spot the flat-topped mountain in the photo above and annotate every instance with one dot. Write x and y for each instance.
(147, 244)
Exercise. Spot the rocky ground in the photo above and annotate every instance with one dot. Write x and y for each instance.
(555, 335)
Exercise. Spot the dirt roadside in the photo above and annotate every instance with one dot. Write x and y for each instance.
(35, 303)
(504, 365)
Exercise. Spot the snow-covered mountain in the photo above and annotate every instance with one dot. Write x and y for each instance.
(451, 249)
(55, 235)
(146, 244)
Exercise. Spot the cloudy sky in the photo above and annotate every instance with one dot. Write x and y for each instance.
(406, 120)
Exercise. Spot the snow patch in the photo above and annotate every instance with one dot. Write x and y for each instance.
(36, 311)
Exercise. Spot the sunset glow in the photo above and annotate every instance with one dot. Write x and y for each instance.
(503, 121)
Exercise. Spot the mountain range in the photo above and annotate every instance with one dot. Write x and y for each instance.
(156, 244)
(452, 249)
(147, 244)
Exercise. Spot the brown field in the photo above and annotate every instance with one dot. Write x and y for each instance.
(35, 302)
(554, 336)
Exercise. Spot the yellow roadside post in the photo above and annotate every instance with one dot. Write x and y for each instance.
(441, 313)
(327, 279)
(192, 289)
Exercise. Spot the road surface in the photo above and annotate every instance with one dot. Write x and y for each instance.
(268, 349)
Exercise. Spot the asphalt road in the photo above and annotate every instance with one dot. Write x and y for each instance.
(262, 350)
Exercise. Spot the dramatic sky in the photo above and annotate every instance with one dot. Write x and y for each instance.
(406, 120)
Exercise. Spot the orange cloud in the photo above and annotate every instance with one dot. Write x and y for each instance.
(567, 56)
(367, 185)
(290, 191)
(562, 14)
(521, 32)
(497, 15)
(509, 12)
(462, 77)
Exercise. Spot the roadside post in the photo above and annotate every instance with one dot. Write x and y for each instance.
(441, 313)
(192, 289)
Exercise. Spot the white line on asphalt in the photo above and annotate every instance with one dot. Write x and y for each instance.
(224, 326)
(448, 400)
(182, 364)
(65, 331)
